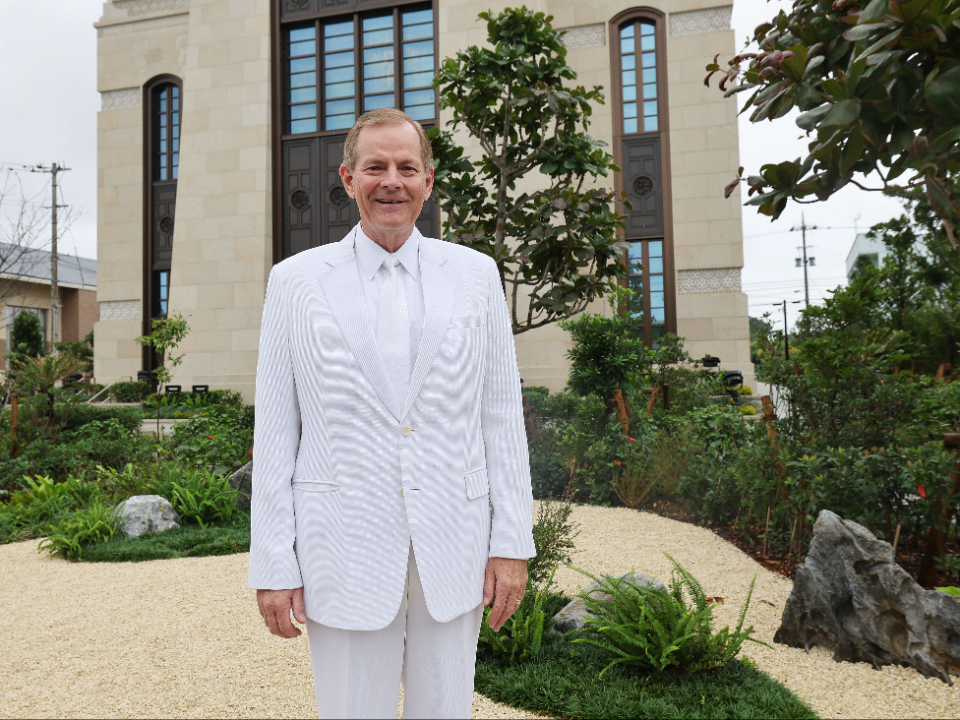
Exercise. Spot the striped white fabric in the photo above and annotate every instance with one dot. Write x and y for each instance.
(345, 474)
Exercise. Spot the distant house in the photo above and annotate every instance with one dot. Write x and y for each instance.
(25, 287)
(863, 246)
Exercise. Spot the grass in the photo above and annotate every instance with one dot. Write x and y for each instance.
(186, 541)
(563, 681)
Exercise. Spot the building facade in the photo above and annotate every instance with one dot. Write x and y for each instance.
(222, 128)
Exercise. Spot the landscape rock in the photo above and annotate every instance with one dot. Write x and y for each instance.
(242, 482)
(850, 596)
(574, 615)
(147, 513)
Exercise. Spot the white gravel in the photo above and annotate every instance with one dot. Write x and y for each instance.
(182, 638)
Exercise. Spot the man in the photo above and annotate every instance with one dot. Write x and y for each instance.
(391, 486)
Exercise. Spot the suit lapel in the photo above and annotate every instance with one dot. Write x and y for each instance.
(343, 291)
(440, 293)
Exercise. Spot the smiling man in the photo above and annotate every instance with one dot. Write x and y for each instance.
(391, 486)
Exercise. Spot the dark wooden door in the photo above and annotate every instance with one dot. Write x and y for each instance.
(164, 213)
(643, 182)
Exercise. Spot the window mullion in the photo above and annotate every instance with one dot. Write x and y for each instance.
(397, 59)
(321, 80)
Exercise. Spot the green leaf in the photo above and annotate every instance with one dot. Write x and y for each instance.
(796, 63)
(842, 113)
(876, 10)
(943, 92)
(810, 119)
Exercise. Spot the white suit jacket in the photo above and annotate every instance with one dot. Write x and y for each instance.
(345, 476)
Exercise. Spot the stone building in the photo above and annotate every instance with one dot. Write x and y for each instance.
(222, 126)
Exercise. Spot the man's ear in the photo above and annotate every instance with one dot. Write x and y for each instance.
(346, 177)
(429, 182)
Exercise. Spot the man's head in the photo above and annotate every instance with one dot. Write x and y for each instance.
(388, 169)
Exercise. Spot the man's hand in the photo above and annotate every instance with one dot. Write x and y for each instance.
(275, 608)
(505, 580)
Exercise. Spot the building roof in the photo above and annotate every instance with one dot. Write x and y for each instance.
(31, 264)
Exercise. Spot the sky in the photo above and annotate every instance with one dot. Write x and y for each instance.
(48, 113)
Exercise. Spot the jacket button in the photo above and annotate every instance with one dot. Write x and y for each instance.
(406, 430)
(401, 491)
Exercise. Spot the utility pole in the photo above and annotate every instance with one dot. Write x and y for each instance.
(54, 287)
(812, 261)
(786, 337)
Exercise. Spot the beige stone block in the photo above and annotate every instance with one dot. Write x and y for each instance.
(731, 328)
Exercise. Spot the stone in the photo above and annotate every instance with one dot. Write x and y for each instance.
(851, 597)
(574, 615)
(242, 482)
(147, 513)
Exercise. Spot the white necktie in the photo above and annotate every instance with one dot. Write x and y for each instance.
(393, 329)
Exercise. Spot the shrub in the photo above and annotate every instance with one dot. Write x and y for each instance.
(747, 410)
(43, 504)
(204, 498)
(553, 536)
(130, 392)
(76, 415)
(187, 541)
(521, 635)
(214, 442)
(94, 524)
(657, 630)
(25, 336)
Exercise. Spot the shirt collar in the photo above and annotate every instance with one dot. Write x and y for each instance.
(371, 256)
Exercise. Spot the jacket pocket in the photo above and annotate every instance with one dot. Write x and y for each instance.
(466, 321)
(316, 487)
(476, 484)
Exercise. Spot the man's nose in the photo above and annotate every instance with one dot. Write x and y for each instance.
(391, 178)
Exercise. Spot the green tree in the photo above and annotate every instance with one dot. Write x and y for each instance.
(26, 337)
(556, 245)
(878, 84)
(82, 349)
(168, 333)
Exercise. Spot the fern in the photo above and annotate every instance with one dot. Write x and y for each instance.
(521, 636)
(92, 525)
(656, 629)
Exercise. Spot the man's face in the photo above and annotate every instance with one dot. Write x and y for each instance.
(389, 181)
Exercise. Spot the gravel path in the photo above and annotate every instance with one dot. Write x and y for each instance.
(182, 638)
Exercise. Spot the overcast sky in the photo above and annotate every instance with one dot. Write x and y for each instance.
(48, 113)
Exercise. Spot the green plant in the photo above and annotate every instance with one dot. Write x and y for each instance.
(950, 590)
(553, 535)
(747, 410)
(82, 349)
(186, 541)
(204, 498)
(130, 392)
(520, 637)
(656, 629)
(26, 338)
(95, 524)
(555, 246)
(218, 442)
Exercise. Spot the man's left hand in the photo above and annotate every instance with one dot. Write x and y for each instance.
(504, 585)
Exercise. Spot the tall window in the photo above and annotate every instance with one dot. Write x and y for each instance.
(638, 54)
(334, 62)
(162, 112)
(338, 68)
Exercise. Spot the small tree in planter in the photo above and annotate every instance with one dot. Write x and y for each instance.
(168, 333)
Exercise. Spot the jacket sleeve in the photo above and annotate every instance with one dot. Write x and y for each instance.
(504, 436)
(276, 440)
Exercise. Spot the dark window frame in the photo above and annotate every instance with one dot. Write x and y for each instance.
(280, 18)
(150, 172)
(659, 20)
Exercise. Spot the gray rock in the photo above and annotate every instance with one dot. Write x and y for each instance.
(574, 615)
(147, 513)
(242, 482)
(851, 597)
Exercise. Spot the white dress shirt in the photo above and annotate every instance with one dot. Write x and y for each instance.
(370, 257)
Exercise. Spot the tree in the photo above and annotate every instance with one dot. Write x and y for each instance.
(26, 337)
(878, 83)
(82, 349)
(558, 243)
(168, 333)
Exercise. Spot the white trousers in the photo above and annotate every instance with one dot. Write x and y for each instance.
(358, 673)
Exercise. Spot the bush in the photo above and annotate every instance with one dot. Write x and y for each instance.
(221, 443)
(75, 415)
(656, 629)
(521, 635)
(130, 392)
(42, 505)
(187, 541)
(25, 336)
(553, 536)
(68, 537)
(203, 498)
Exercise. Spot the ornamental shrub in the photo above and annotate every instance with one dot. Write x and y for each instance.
(130, 392)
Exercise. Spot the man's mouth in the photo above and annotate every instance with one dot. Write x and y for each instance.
(390, 202)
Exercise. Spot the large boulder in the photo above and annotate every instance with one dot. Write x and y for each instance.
(147, 513)
(242, 482)
(851, 597)
(575, 613)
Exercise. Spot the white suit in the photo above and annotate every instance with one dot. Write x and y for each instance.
(345, 476)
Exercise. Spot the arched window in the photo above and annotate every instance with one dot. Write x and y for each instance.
(331, 67)
(641, 142)
(162, 112)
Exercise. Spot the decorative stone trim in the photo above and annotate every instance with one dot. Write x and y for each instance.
(714, 280)
(120, 310)
(585, 36)
(115, 99)
(701, 21)
(148, 7)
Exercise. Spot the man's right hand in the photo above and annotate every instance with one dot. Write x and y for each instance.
(275, 607)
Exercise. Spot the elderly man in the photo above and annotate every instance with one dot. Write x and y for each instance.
(391, 486)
